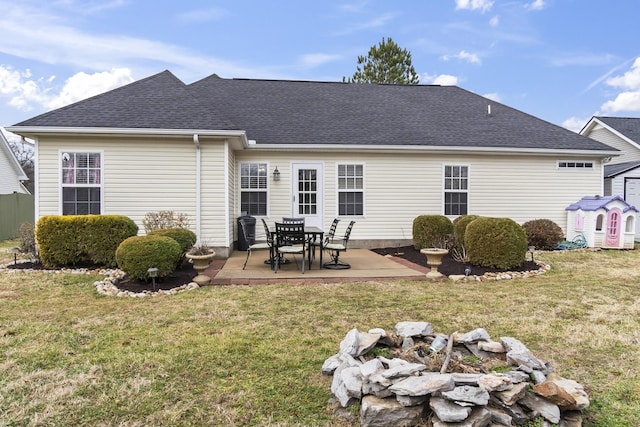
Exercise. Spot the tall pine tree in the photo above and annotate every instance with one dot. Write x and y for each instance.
(385, 63)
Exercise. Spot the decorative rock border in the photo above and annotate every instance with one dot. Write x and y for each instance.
(457, 380)
(506, 275)
(108, 285)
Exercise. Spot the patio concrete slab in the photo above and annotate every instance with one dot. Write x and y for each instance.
(366, 265)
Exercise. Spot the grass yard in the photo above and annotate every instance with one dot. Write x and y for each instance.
(240, 355)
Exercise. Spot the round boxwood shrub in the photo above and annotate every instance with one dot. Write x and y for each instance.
(495, 243)
(460, 228)
(137, 254)
(543, 233)
(431, 231)
(184, 236)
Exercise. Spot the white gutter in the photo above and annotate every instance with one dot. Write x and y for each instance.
(434, 149)
(54, 130)
(227, 178)
(196, 140)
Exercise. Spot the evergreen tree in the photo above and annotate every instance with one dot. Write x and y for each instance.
(385, 63)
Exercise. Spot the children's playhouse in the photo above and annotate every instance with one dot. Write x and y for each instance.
(603, 221)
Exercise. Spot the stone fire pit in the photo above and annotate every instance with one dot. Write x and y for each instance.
(404, 379)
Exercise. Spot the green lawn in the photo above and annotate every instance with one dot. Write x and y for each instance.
(251, 355)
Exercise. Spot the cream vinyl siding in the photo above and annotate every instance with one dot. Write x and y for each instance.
(214, 171)
(141, 176)
(400, 187)
(629, 152)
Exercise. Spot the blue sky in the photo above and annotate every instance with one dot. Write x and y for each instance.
(560, 60)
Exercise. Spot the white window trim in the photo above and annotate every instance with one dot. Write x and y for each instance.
(268, 189)
(364, 186)
(61, 184)
(575, 164)
(444, 190)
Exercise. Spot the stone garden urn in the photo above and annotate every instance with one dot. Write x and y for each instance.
(201, 262)
(434, 259)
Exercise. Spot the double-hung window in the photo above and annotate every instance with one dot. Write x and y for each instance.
(81, 183)
(253, 188)
(456, 190)
(350, 190)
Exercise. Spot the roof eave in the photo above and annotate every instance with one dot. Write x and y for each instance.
(437, 149)
(588, 128)
(35, 131)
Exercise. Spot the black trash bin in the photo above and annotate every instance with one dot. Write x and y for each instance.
(250, 231)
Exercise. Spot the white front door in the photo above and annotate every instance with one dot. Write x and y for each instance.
(308, 194)
(632, 195)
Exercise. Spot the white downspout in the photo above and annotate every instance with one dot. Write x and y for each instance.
(196, 140)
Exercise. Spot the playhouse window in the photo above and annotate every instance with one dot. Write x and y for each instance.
(628, 225)
(599, 222)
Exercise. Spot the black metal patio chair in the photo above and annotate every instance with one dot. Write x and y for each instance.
(328, 237)
(290, 240)
(258, 245)
(336, 247)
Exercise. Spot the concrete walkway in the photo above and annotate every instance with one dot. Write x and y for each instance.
(366, 265)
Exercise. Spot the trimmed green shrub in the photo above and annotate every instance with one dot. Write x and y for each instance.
(495, 243)
(460, 228)
(82, 239)
(185, 237)
(543, 233)
(431, 231)
(138, 254)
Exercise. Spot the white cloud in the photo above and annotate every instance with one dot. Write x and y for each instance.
(494, 21)
(630, 79)
(536, 5)
(492, 96)
(82, 85)
(482, 5)
(26, 93)
(440, 79)
(575, 123)
(629, 98)
(377, 22)
(51, 41)
(316, 59)
(203, 15)
(465, 56)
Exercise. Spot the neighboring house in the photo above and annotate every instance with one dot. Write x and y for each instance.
(377, 154)
(622, 173)
(11, 173)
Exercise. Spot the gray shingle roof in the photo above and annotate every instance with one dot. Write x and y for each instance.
(160, 101)
(628, 126)
(611, 171)
(309, 113)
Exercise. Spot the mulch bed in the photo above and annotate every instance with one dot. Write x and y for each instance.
(449, 265)
(181, 276)
(185, 273)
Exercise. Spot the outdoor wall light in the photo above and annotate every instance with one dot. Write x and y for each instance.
(276, 174)
(153, 273)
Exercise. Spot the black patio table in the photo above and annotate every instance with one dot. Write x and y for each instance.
(311, 233)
